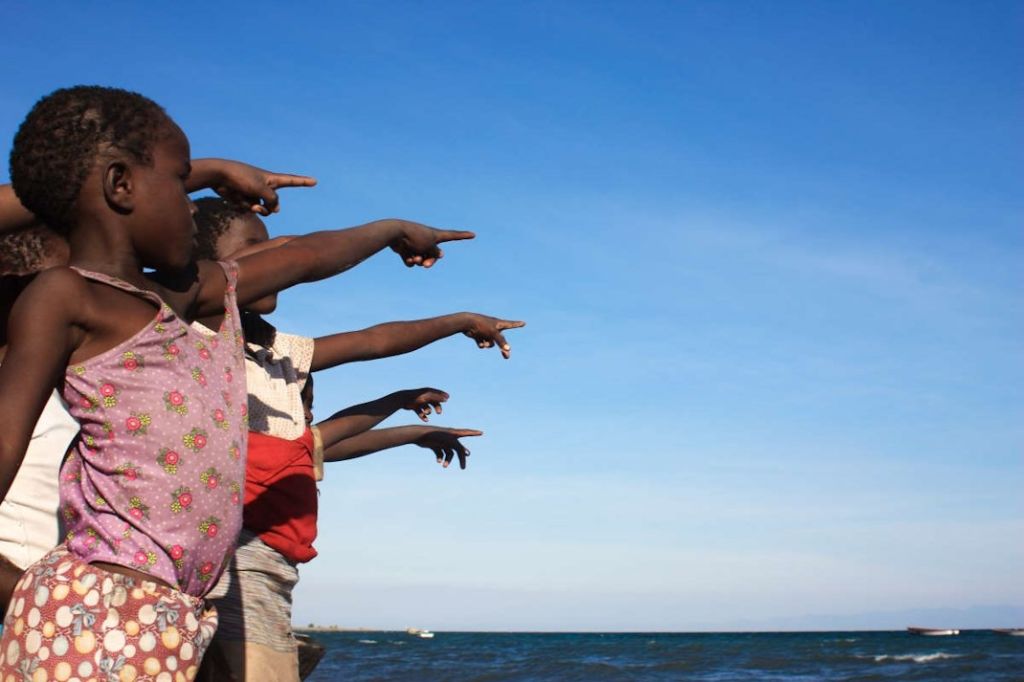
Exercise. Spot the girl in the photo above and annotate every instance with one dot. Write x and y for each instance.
(28, 514)
(158, 404)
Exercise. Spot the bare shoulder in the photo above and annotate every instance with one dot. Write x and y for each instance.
(53, 306)
(62, 276)
(60, 288)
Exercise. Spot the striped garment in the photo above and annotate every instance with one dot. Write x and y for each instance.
(259, 580)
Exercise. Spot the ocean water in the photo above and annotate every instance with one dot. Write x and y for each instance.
(491, 657)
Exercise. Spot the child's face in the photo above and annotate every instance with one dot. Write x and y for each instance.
(162, 223)
(243, 236)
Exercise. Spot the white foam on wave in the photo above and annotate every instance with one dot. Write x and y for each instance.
(916, 658)
(367, 641)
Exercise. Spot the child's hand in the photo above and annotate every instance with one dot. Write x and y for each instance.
(445, 444)
(424, 400)
(418, 243)
(254, 186)
(486, 331)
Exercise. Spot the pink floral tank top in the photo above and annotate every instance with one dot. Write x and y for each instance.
(155, 481)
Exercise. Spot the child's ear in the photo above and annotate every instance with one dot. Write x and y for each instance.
(118, 188)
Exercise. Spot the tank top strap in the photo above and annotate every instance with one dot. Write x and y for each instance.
(232, 317)
(119, 283)
(230, 268)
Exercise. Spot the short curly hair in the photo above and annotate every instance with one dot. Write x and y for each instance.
(60, 139)
(213, 217)
(25, 251)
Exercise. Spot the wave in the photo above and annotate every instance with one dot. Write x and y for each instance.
(916, 658)
(367, 641)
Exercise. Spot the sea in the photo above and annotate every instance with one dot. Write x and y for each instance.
(719, 657)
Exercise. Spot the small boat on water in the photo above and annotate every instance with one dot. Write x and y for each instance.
(932, 632)
(1012, 632)
(418, 632)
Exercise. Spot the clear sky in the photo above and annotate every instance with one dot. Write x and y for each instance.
(770, 256)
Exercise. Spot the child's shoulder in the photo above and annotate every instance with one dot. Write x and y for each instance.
(61, 283)
(84, 291)
(53, 301)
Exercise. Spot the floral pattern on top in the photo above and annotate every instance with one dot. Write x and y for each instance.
(163, 432)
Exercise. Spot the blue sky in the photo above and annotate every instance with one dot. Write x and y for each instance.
(770, 258)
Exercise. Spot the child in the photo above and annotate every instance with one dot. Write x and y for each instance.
(254, 597)
(157, 402)
(28, 514)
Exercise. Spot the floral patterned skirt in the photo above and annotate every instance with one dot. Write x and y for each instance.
(69, 620)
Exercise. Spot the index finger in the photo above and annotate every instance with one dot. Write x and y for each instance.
(510, 324)
(288, 180)
(454, 235)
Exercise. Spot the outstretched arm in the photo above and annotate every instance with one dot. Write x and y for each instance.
(359, 418)
(317, 256)
(396, 338)
(242, 183)
(444, 443)
(232, 180)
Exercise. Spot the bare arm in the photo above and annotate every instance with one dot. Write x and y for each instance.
(444, 442)
(317, 256)
(42, 333)
(396, 338)
(359, 418)
(231, 179)
(243, 183)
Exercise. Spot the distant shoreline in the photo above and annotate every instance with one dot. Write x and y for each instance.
(337, 628)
